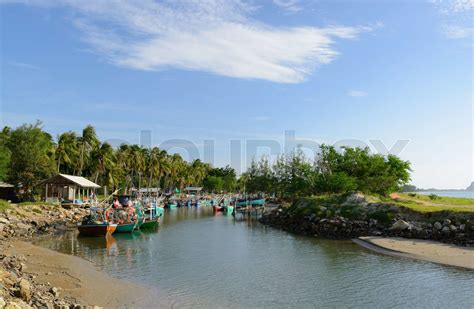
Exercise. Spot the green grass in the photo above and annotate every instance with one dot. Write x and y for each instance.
(423, 203)
(4, 205)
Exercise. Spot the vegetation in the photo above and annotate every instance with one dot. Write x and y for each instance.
(351, 169)
(423, 203)
(28, 155)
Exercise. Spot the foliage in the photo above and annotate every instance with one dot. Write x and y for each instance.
(351, 169)
(221, 179)
(4, 153)
(4, 205)
(433, 196)
(32, 155)
(423, 203)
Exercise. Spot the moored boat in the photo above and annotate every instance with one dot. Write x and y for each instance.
(101, 229)
(125, 227)
(254, 202)
(217, 208)
(229, 209)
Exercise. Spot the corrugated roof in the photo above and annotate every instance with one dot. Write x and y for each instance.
(5, 185)
(193, 188)
(69, 179)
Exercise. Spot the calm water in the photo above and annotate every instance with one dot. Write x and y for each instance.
(200, 260)
(467, 194)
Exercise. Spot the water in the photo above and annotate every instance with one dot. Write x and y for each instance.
(466, 194)
(200, 260)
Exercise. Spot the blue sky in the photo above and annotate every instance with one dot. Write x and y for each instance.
(332, 71)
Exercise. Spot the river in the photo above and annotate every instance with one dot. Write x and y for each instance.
(201, 260)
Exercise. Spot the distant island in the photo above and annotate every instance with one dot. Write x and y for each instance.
(412, 188)
(471, 187)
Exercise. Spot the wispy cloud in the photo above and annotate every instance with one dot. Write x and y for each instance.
(357, 93)
(453, 6)
(458, 32)
(23, 65)
(215, 36)
(291, 6)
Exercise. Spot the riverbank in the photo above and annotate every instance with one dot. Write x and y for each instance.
(60, 279)
(424, 250)
(32, 276)
(354, 215)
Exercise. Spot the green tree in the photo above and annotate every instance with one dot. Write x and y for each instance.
(32, 155)
(87, 142)
(4, 153)
(67, 153)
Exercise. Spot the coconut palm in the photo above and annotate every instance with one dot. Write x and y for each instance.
(87, 142)
(102, 159)
(67, 152)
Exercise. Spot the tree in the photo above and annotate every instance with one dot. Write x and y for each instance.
(87, 142)
(67, 152)
(4, 153)
(32, 155)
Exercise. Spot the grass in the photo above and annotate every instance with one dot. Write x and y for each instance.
(4, 205)
(423, 203)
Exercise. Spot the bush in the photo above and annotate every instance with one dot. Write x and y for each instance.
(433, 196)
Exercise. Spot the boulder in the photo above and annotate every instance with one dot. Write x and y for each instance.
(447, 222)
(25, 289)
(438, 226)
(4, 220)
(446, 230)
(401, 225)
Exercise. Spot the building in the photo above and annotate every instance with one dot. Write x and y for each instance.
(7, 192)
(67, 188)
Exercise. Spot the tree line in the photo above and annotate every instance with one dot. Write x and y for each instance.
(28, 155)
(333, 171)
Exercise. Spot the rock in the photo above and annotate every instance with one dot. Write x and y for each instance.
(447, 222)
(54, 291)
(25, 289)
(2, 302)
(4, 220)
(400, 225)
(446, 230)
(438, 226)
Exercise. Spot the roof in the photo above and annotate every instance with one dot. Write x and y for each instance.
(193, 188)
(63, 179)
(5, 185)
(146, 190)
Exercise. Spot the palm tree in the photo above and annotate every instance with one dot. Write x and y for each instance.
(156, 164)
(87, 142)
(103, 161)
(67, 152)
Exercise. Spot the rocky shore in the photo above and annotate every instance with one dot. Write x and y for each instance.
(18, 287)
(355, 215)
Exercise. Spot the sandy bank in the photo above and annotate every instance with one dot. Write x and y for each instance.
(81, 280)
(421, 250)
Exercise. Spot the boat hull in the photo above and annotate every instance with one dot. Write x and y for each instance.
(97, 230)
(229, 209)
(152, 224)
(258, 202)
(217, 208)
(125, 228)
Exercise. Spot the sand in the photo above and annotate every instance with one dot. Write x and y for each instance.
(80, 279)
(425, 250)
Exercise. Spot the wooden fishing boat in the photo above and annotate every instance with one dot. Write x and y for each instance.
(228, 209)
(125, 227)
(217, 208)
(101, 229)
(149, 224)
(254, 202)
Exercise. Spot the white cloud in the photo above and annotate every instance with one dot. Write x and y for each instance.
(357, 93)
(215, 36)
(453, 6)
(458, 32)
(23, 65)
(291, 6)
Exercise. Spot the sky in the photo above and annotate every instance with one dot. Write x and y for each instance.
(395, 76)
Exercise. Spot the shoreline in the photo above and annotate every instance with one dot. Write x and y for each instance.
(79, 279)
(424, 250)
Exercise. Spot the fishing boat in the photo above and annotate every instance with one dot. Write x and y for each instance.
(254, 202)
(228, 209)
(151, 218)
(217, 208)
(126, 227)
(97, 229)
(95, 224)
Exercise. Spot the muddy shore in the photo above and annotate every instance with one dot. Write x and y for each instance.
(35, 277)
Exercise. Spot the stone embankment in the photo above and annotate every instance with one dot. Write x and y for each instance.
(357, 216)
